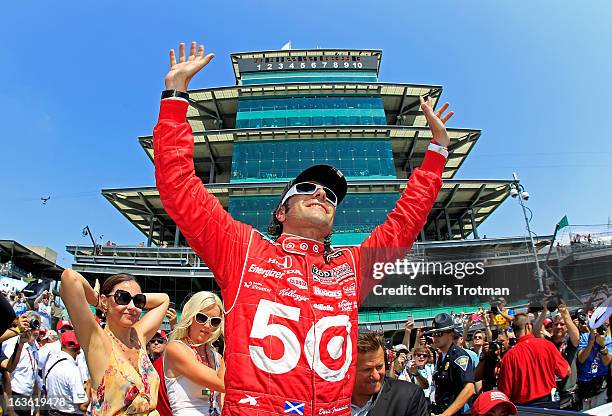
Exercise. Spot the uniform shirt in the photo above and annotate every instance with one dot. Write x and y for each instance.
(593, 366)
(454, 370)
(64, 385)
(528, 369)
(26, 373)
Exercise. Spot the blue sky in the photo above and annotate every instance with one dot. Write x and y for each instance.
(81, 81)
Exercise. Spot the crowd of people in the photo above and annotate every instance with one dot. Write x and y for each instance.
(121, 362)
(289, 320)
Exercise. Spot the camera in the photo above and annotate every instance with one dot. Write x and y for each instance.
(602, 330)
(34, 324)
(495, 346)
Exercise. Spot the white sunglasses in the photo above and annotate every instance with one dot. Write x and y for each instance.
(309, 188)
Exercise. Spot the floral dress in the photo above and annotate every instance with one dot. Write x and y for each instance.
(125, 390)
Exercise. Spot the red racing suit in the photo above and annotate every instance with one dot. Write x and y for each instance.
(291, 310)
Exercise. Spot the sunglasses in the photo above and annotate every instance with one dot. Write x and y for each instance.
(202, 318)
(439, 334)
(309, 188)
(124, 298)
(64, 329)
(157, 341)
(477, 337)
(422, 355)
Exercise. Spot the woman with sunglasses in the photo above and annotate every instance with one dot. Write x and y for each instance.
(193, 369)
(123, 379)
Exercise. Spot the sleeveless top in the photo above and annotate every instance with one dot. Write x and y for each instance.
(125, 390)
(187, 398)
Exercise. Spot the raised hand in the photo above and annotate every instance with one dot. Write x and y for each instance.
(437, 120)
(182, 71)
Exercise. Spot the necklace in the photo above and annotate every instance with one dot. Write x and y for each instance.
(211, 393)
(122, 345)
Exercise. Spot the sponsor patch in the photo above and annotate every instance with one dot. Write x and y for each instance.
(298, 282)
(291, 293)
(463, 362)
(294, 408)
(321, 307)
(345, 306)
(257, 286)
(253, 268)
(332, 276)
(350, 289)
(283, 262)
(336, 294)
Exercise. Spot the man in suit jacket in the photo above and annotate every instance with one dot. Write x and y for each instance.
(375, 395)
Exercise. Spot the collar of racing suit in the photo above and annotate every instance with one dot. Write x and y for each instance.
(300, 245)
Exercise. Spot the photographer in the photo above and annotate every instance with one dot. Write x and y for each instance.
(23, 364)
(400, 356)
(566, 337)
(488, 365)
(593, 366)
(419, 371)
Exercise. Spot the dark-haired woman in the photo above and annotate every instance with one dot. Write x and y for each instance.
(123, 378)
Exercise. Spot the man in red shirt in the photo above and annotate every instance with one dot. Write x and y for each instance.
(528, 370)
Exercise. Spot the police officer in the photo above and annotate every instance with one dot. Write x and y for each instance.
(454, 376)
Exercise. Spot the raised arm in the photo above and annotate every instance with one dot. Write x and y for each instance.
(210, 230)
(394, 238)
(157, 305)
(77, 294)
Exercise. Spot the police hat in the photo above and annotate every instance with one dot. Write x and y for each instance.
(442, 322)
(326, 175)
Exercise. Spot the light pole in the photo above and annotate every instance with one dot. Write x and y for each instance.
(518, 191)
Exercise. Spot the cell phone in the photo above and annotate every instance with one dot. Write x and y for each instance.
(475, 317)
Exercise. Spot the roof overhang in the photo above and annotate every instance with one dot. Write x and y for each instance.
(235, 57)
(457, 198)
(29, 260)
(216, 108)
(408, 144)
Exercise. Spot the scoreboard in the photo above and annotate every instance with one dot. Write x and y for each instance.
(303, 63)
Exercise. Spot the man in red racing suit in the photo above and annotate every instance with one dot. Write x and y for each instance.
(291, 307)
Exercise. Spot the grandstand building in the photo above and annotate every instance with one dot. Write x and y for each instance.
(291, 109)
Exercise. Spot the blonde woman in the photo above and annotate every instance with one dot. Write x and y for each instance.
(193, 369)
(123, 378)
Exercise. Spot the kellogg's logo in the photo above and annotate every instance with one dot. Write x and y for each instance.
(291, 293)
(298, 282)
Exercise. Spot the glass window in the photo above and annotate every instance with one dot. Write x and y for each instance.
(356, 158)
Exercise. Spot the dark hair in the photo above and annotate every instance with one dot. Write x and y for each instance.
(369, 342)
(275, 229)
(111, 282)
(519, 323)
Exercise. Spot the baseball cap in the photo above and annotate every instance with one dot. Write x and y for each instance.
(70, 340)
(490, 399)
(400, 347)
(162, 334)
(62, 323)
(326, 175)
